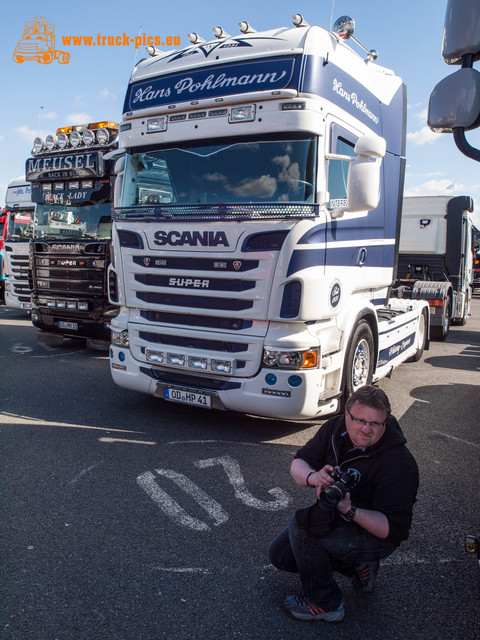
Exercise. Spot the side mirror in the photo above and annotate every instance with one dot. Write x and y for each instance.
(455, 102)
(363, 182)
(117, 189)
(461, 35)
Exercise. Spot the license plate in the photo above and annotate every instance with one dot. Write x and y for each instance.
(73, 326)
(186, 396)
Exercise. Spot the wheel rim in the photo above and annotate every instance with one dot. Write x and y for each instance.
(361, 365)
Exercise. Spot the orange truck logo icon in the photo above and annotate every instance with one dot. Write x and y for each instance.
(38, 43)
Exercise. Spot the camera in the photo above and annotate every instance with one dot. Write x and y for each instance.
(331, 495)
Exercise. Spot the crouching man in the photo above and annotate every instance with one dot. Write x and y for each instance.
(366, 482)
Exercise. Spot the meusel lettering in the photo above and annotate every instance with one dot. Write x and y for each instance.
(192, 238)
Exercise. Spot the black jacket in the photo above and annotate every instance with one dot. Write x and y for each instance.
(387, 472)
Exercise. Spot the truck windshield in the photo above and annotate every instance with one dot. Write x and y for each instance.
(91, 221)
(260, 171)
(22, 227)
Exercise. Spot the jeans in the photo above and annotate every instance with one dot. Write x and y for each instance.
(316, 555)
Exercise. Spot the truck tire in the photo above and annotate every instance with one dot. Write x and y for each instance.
(441, 333)
(421, 337)
(360, 359)
(46, 58)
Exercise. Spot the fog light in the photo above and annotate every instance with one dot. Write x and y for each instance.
(61, 304)
(154, 356)
(83, 306)
(270, 378)
(177, 359)
(222, 366)
(294, 381)
(197, 363)
(50, 303)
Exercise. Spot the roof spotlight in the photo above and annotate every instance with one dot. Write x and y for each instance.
(299, 21)
(246, 28)
(220, 33)
(195, 38)
(152, 51)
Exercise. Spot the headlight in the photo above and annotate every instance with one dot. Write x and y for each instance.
(291, 359)
(75, 139)
(242, 114)
(103, 136)
(88, 137)
(50, 142)
(121, 339)
(62, 140)
(157, 124)
(37, 145)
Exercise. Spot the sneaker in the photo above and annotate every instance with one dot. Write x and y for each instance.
(304, 609)
(366, 575)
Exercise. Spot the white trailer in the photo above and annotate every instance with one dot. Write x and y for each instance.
(436, 257)
(20, 208)
(256, 224)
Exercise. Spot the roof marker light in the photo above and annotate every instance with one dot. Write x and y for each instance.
(299, 21)
(195, 38)
(220, 33)
(245, 27)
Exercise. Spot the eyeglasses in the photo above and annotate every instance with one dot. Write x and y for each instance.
(363, 423)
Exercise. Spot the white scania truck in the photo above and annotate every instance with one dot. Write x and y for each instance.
(20, 210)
(436, 257)
(256, 222)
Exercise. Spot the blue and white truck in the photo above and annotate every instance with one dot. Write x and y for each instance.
(258, 195)
(20, 210)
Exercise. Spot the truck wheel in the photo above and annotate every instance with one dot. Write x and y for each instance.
(441, 333)
(359, 362)
(46, 58)
(421, 337)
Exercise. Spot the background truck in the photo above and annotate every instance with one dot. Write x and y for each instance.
(476, 259)
(436, 257)
(3, 235)
(20, 208)
(72, 186)
(255, 224)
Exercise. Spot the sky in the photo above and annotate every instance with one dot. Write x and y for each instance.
(36, 98)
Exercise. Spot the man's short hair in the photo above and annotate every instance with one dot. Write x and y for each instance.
(370, 396)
